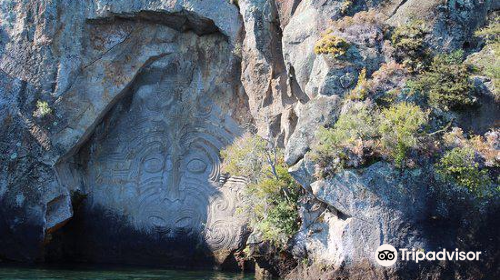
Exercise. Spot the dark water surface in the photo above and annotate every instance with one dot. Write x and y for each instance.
(101, 273)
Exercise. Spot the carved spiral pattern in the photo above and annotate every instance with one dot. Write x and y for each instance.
(158, 163)
(222, 235)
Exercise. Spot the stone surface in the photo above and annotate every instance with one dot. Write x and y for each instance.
(299, 38)
(320, 111)
(264, 76)
(452, 22)
(143, 95)
(172, 59)
(366, 208)
(345, 218)
(154, 159)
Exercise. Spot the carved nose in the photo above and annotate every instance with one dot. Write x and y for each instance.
(170, 183)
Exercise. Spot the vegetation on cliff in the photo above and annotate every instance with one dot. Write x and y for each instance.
(42, 109)
(331, 44)
(410, 45)
(350, 137)
(447, 83)
(400, 129)
(488, 58)
(459, 166)
(272, 193)
(391, 114)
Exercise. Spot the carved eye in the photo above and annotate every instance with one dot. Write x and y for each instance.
(184, 223)
(197, 166)
(153, 164)
(157, 221)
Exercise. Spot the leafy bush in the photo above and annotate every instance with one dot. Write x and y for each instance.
(360, 92)
(331, 44)
(351, 135)
(399, 129)
(370, 17)
(361, 133)
(485, 146)
(488, 58)
(245, 157)
(491, 32)
(447, 84)
(387, 70)
(42, 109)
(274, 206)
(346, 6)
(409, 42)
(272, 192)
(387, 83)
(458, 166)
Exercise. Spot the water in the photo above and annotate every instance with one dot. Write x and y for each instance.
(94, 273)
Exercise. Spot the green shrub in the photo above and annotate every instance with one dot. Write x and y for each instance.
(485, 146)
(491, 32)
(42, 109)
(351, 132)
(447, 83)
(365, 18)
(346, 6)
(362, 133)
(399, 129)
(360, 92)
(458, 166)
(272, 193)
(331, 44)
(245, 157)
(409, 42)
(488, 58)
(274, 208)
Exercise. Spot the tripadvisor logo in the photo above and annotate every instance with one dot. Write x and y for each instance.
(386, 255)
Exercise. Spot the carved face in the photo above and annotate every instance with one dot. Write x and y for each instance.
(159, 164)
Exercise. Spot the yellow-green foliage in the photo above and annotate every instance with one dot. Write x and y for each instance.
(488, 59)
(492, 32)
(272, 193)
(399, 129)
(485, 146)
(42, 109)
(458, 166)
(358, 123)
(370, 17)
(331, 44)
(447, 83)
(274, 207)
(346, 6)
(351, 130)
(360, 92)
(409, 42)
(245, 157)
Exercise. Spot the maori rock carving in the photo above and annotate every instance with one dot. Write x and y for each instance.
(157, 162)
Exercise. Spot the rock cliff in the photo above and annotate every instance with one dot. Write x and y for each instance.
(113, 114)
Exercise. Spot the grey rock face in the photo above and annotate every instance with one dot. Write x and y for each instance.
(320, 111)
(453, 22)
(371, 205)
(158, 163)
(347, 217)
(300, 36)
(144, 94)
(32, 202)
(155, 158)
